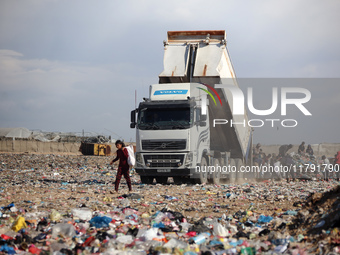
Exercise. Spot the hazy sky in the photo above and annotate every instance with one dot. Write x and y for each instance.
(74, 65)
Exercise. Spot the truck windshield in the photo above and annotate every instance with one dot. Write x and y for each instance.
(169, 118)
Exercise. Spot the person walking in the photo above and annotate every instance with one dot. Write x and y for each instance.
(336, 168)
(123, 167)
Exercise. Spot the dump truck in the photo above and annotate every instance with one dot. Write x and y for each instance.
(182, 128)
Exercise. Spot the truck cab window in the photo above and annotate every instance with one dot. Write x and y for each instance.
(165, 118)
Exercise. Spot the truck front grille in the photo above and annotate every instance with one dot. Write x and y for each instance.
(163, 160)
(164, 144)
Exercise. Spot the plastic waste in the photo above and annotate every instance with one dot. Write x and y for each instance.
(248, 251)
(63, 229)
(55, 216)
(7, 249)
(131, 158)
(289, 212)
(158, 225)
(280, 248)
(175, 243)
(82, 213)
(100, 221)
(19, 224)
(320, 224)
(125, 202)
(13, 209)
(127, 239)
(219, 230)
(201, 238)
(165, 219)
(33, 249)
(149, 234)
(264, 219)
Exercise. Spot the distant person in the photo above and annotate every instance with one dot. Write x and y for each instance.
(284, 149)
(289, 163)
(268, 158)
(123, 167)
(301, 149)
(256, 154)
(309, 150)
(325, 167)
(261, 157)
(336, 167)
(273, 159)
(257, 149)
(276, 165)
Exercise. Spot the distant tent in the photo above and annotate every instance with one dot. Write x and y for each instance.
(15, 132)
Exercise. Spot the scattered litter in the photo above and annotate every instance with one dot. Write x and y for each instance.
(67, 205)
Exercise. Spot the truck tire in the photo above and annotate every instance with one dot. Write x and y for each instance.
(146, 179)
(203, 175)
(216, 176)
(162, 179)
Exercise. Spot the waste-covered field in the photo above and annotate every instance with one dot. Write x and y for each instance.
(62, 204)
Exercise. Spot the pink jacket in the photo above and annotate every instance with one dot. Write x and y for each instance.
(337, 158)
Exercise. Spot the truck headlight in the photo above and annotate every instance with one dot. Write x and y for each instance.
(188, 159)
(139, 158)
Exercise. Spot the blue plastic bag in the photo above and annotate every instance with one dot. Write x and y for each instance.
(264, 219)
(100, 222)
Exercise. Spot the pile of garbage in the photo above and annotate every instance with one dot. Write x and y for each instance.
(67, 205)
(97, 139)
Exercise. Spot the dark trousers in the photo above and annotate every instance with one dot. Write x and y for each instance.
(125, 172)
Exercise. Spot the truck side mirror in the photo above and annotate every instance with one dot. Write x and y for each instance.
(133, 119)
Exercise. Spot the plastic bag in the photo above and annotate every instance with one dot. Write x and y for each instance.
(219, 230)
(82, 213)
(19, 224)
(63, 229)
(55, 216)
(100, 222)
(131, 159)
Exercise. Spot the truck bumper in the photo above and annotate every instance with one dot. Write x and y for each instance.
(166, 172)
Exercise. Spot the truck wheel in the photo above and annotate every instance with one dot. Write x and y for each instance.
(162, 179)
(216, 176)
(146, 179)
(203, 175)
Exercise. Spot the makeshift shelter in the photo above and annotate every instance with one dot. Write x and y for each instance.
(19, 132)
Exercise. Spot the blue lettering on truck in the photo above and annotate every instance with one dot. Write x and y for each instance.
(171, 91)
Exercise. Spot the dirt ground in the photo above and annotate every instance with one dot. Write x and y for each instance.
(39, 183)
